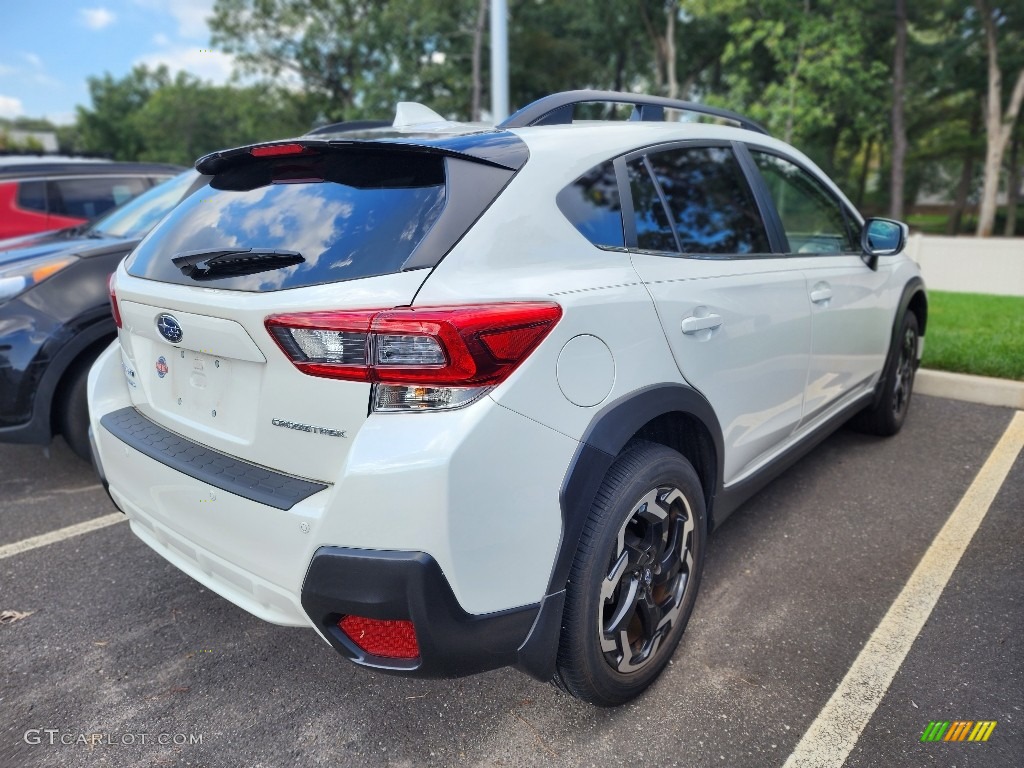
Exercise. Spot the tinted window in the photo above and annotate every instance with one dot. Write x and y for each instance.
(32, 196)
(653, 231)
(812, 218)
(135, 218)
(591, 203)
(365, 220)
(711, 205)
(87, 198)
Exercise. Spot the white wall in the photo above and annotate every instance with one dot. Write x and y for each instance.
(970, 264)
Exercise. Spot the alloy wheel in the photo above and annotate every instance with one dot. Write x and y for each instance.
(649, 572)
(904, 372)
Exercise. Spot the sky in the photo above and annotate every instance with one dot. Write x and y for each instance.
(49, 47)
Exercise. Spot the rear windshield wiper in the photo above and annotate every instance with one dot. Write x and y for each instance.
(215, 263)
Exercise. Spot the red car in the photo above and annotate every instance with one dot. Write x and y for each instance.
(41, 193)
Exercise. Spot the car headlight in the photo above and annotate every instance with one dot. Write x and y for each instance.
(18, 277)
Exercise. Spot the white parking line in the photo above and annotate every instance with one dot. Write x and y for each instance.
(25, 545)
(835, 731)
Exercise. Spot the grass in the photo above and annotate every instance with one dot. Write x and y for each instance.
(934, 222)
(975, 333)
(928, 223)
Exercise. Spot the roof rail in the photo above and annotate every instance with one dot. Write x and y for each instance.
(558, 109)
(349, 125)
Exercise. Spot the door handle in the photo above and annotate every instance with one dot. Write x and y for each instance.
(697, 324)
(821, 294)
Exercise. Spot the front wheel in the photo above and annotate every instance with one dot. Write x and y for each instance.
(73, 413)
(635, 577)
(887, 416)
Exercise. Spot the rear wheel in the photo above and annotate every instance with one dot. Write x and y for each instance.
(635, 577)
(887, 417)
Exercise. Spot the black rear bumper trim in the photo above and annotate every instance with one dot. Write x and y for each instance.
(385, 584)
(236, 476)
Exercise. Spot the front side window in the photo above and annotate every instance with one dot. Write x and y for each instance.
(812, 218)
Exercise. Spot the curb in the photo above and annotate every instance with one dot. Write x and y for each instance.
(972, 389)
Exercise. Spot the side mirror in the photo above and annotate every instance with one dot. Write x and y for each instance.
(882, 237)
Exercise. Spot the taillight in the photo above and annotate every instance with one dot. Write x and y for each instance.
(389, 639)
(113, 301)
(431, 357)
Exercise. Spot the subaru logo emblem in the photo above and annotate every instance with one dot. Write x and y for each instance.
(169, 328)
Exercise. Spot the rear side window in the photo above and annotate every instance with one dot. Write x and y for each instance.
(592, 204)
(32, 196)
(653, 230)
(711, 205)
(88, 197)
(347, 215)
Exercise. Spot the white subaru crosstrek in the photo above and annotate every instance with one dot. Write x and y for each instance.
(461, 398)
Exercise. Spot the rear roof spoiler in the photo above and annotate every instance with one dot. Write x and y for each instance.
(498, 148)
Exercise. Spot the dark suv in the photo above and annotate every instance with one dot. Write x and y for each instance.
(55, 315)
(39, 193)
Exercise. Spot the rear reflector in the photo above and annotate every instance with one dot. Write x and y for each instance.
(113, 301)
(476, 345)
(385, 638)
(276, 150)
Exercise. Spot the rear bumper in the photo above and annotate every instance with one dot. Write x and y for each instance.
(424, 522)
(409, 585)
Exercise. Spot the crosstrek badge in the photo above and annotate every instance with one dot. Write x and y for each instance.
(161, 366)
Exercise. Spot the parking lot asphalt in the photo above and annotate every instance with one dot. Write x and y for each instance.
(120, 644)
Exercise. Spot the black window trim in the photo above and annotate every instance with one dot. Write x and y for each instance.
(625, 203)
(761, 199)
(849, 217)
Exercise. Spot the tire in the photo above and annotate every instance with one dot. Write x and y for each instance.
(887, 416)
(73, 413)
(634, 579)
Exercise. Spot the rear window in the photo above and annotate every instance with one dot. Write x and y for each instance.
(348, 216)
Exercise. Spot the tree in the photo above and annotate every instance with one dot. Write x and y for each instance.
(814, 72)
(1013, 179)
(147, 115)
(899, 130)
(176, 125)
(109, 128)
(356, 58)
(478, 45)
(998, 123)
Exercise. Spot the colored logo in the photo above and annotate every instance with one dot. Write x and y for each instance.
(161, 367)
(958, 730)
(169, 328)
